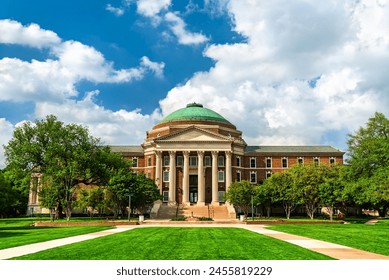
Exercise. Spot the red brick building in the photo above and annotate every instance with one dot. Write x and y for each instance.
(194, 154)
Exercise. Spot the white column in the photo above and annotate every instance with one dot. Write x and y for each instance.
(158, 169)
(185, 183)
(228, 169)
(215, 192)
(201, 187)
(172, 178)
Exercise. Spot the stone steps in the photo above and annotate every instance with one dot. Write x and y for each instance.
(215, 212)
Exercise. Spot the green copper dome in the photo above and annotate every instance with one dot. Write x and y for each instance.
(194, 112)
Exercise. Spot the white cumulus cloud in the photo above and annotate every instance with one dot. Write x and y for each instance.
(6, 130)
(13, 32)
(307, 70)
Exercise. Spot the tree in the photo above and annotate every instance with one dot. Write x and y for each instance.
(331, 190)
(239, 194)
(7, 197)
(283, 190)
(368, 157)
(307, 179)
(91, 198)
(263, 197)
(145, 192)
(125, 182)
(66, 156)
(13, 201)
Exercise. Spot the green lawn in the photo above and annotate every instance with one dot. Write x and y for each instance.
(372, 238)
(179, 244)
(17, 232)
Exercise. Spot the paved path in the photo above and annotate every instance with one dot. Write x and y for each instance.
(335, 251)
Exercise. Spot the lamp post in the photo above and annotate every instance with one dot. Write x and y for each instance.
(129, 207)
(252, 207)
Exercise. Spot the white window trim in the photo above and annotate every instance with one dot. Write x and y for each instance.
(182, 161)
(282, 162)
(268, 174)
(163, 196)
(238, 177)
(334, 159)
(271, 162)
(166, 160)
(255, 162)
(318, 160)
(302, 160)
(238, 160)
(168, 176)
(220, 161)
(218, 176)
(256, 179)
(207, 158)
(190, 160)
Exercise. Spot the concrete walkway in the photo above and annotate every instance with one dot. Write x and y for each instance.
(335, 251)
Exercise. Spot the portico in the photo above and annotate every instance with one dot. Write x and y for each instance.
(193, 186)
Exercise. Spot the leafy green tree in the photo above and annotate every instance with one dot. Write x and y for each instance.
(120, 186)
(283, 190)
(307, 179)
(91, 198)
(332, 188)
(239, 194)
(66, 155)
(145, 192)
(368, 157)
(263, 197)
(8, 196)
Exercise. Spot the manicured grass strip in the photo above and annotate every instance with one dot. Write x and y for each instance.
(180, 244)
(372, 238)
(20, 232)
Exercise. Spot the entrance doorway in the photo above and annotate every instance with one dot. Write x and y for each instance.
(193, 188)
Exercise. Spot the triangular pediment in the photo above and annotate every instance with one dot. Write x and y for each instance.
(193, 134)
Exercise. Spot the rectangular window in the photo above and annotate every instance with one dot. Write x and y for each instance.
(207, 161)
(253, 162)
(268, 174)
(238, 176)
(149, 161)
(221, 176)
(268, 162)
(165, 196)
(316, 161)
(166, 161)
(332, 161)
(284, 162)
(253, 177)
(237, 161)
(148, 175)
(180, 161)
(134, 162)
(221, 196)
(192, 161)
(220, 161)
(300, 161)
(166, 176)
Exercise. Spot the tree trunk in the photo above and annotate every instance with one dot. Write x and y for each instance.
(58, 212)
(382, 211)
(68, 210)
(330, 210)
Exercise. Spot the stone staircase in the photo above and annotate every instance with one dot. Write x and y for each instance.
(208, 211)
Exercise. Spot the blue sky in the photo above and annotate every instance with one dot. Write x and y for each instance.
(284, 72)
